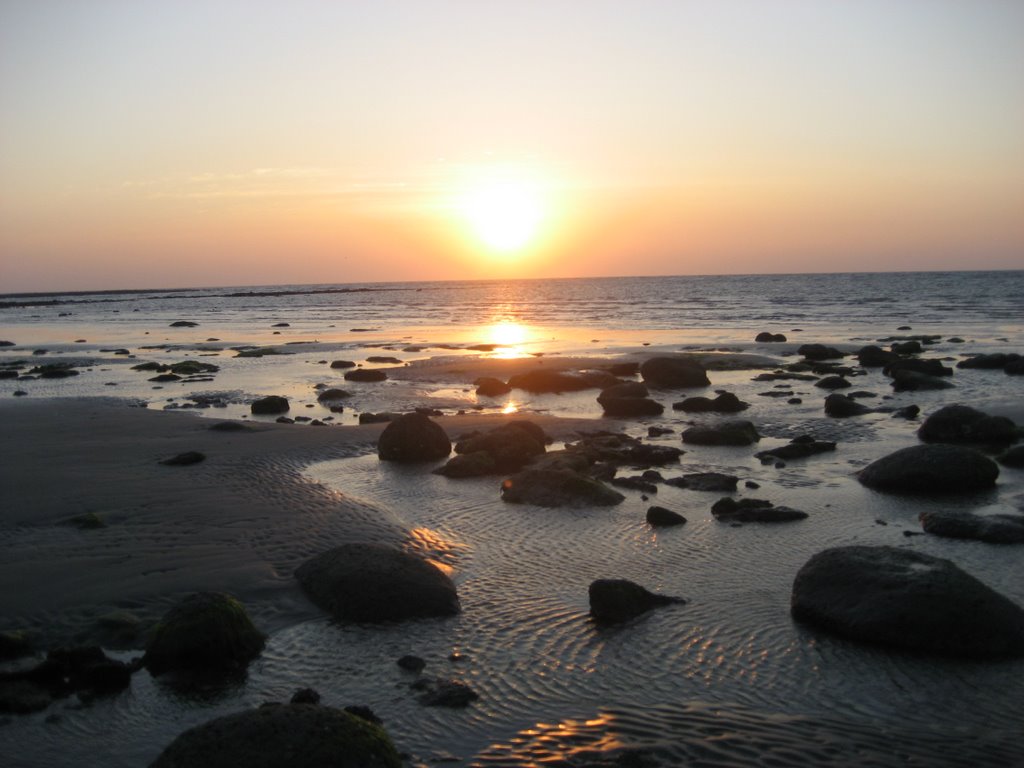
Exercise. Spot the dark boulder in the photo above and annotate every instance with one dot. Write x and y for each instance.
(383, 359)
(413, 437)
(914, 381)
(544, 381)
(491, 387)
(635, 483)
(365, 374)
(798, 448)
(183, 324)
(990, 361)
(192, 368)
(1013, 458)
(907, 412)
(725, 402)
(370, 582)
(184, 459)
(928, 366)
(341, 364)
(833, 382)
(442, 692)
(660, 517)
(819, 352)
(557, 488)
(733, 432)
(269, 405)
(715, 482)
(765, 337)
(475, 464)
(911, 347)
(618, 449)
(905, 599)
(673, 373)
(963, 424)
(613, 601)
(729, 510)
(873, 356)
(628, 400)
(928, 469)
(332, 395)
(208, 632)
(283, 736)
(993, 529)
(840, 406)
(510, 446)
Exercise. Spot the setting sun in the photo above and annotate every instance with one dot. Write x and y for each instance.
(504, 210)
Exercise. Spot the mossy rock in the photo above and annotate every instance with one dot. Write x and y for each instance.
(208, 632)
(283, 736)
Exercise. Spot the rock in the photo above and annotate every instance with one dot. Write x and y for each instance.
(1015, 367)
(270, 405)
(192, 368)
(474, 464)
(509, 446)
(907, 412)
(1013, 458)
(613, 601)
(15, 643)
(730, 510)
(370, 582)
(929, 367)
(726, 402)
(383, 359)
(365, 374)
(552, 382)
(165, 377)
(230, 426)
(618, 449)
(819, 352)
(963, 424)
(705, 481)
(343, 364)
(990, 361)
(557, 488)
(905, 599)
(734, 432)
(488, 386)
(207, 632)
(624, 369)
(413, 437)
(54, 371)
(911, 347)
(283, 736)
(305, 696)
(183, 324)
(798, 448)
(365, 713)
(184, 459)
(873, 356)
(411, 663)
(913, 381)
(833, 382)
(993, 529)
(660, 517)
(764, 337)
(931, 469)
(333, 395)
(840, 406)
(659, 431)
(377, 418)
(673, 373)
(628, 400)
(635, 483)
(441, 692)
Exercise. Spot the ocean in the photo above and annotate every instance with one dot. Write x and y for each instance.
(728, 678)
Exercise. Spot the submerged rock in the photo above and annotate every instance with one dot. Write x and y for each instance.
(365, 374)
(491, 387)
(628, 400)
(963, 424)
(333, 395)
(506, 448)
(557, 488)
(705, 481)
(283, 736)
(269, 405)
(798, 448)
(673, 373)
(993, 529)
(613, 601)
(1013, 458)
(442, 692)
(208, 632)
(833, 382)
(928, 469)
(766, 337)
(840, 406)
(371, 582)
(725, 402)
(819, 352)
(733, 432)
(915, 381)
(729, 510)
(660, 517)
(905, 599)
(413, 437)
(184, 459)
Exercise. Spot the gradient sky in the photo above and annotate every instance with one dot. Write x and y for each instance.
(230, 142)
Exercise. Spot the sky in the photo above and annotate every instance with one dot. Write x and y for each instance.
(244, 142)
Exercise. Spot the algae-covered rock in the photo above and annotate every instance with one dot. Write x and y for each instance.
(283, 736)
(206, 632)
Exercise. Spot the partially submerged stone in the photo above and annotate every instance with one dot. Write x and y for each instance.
(905, 599)
(705, 481)
(413, 437)
(798, 448)
(660, 517)
(725, 402)
(730, 510)
(269, 405)
(931, 469)
(993, 529)
(371, 582)
(283, 736)
(628, 400)
(733, 432)
(964, 424)
(613, 601)
(673, 373)
(557, 488)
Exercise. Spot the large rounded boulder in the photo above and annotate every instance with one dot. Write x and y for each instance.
(208, 633)
(673, 373)
(963, 424)
(283, 736)
(905, 599)
(931, 469)
(413, 437)
(371, 582)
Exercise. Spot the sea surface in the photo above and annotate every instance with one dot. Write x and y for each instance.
(726, 679)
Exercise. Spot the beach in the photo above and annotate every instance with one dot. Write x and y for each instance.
(101, 539)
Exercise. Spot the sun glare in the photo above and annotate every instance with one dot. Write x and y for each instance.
(504, 210)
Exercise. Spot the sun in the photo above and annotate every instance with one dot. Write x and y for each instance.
(504, 210)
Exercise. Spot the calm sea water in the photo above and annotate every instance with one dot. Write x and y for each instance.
(727, 679)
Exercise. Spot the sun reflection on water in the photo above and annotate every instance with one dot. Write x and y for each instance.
(509, 337)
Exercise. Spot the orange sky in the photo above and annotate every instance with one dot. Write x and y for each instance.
(229, 142)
